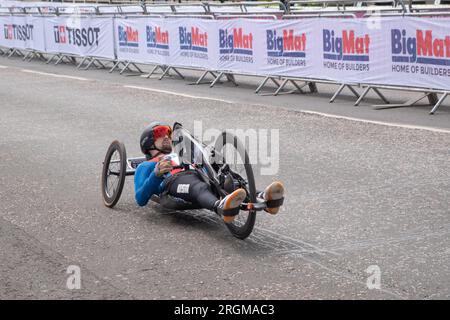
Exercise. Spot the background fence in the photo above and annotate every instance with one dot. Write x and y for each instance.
(393, 45)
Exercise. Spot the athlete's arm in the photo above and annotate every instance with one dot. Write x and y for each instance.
(146, 183)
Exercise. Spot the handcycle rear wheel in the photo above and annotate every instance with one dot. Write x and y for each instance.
(233, 153)
(114, 173)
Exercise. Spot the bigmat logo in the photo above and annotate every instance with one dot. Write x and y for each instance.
(287, 44)
(128, 37)
(157, 38)
(346, 47)
(423, 48)
(235, 41)
(81, 37)
(194, 39)
(18, 32)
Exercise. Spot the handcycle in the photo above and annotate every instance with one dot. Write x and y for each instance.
(224, 166)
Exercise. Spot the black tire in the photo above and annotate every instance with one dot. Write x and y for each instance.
(114, 173)
(243, 225)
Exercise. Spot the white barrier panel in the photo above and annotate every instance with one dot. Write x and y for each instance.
(193, 43)
(130, 37)
(413, 52)
(82, 36)
(344, 49)
(22, 32)
(288, 48)
(240, 45)
(405, 51)
(142, 40)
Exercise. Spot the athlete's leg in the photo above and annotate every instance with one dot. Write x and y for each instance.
(190, 187)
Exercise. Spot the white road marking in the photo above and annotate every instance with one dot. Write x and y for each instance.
(3, 67)
(393, 124)
(54, 75)
(180, 94)
(328, 115)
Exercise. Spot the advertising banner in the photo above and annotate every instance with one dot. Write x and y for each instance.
(193, 43)
(403, 51)
(22, 32)
(289, 48)
(82, 36)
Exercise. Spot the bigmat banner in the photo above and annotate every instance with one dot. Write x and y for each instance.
(83, 36)
(177, 42)
(405, 51)
(22, 32)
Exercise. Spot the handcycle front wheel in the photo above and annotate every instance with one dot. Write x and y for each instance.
(231, 151)
(114, 173)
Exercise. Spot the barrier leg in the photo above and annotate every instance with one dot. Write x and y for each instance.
(89, 64)
(59, 60)
(102, 65)
(216, 79)
(401, 105)
(178, 72)
(51, 59)
(199, 81)
(137, 68)
(27, 55)
(353, 91)
(341, 87)
(82, 62)
(125, 67)
(114, 66)
(297, 86)
(30, 56)
(41, 56)
(11, 53)
(153, 71)
(283, 84)
(381, 96)
(438, 104)
(166, 71)
(361, 97)
(262, 84)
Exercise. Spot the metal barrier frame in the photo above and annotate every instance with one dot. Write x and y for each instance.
(399, 9)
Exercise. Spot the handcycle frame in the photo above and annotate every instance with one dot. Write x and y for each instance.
(217, 173)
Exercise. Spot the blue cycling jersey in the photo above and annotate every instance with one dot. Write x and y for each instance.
(146, 183)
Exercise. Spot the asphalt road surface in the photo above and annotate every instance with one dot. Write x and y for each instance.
(359, 193)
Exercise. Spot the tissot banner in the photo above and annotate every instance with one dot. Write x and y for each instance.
(22, 32)
(83, 36)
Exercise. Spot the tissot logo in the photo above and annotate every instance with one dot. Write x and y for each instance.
(81, 37)
(18, 32)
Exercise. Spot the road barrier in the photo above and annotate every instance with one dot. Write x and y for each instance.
(406, 51)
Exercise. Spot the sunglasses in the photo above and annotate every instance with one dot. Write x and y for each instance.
(162, 131)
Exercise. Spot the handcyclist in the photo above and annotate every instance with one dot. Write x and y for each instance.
(158, 175)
